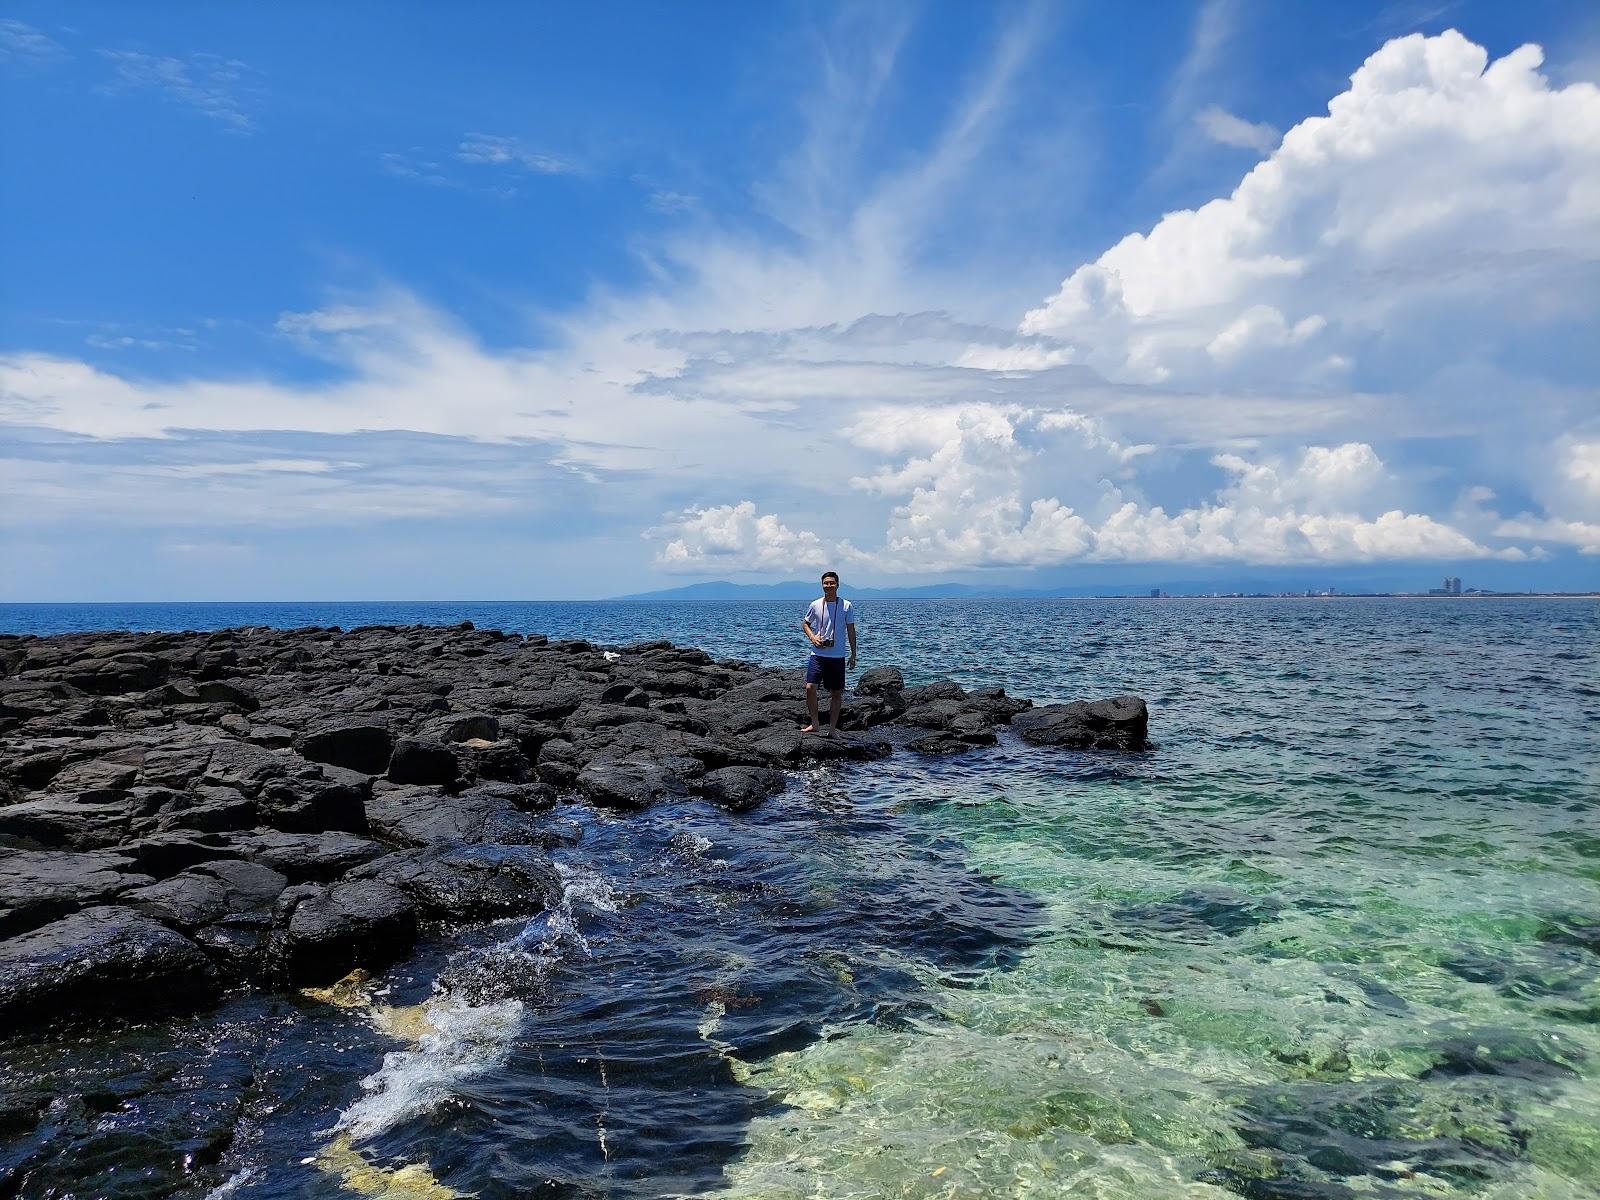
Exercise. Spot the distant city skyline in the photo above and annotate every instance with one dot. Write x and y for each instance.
(544, 302)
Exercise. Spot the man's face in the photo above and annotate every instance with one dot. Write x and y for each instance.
(830, 587)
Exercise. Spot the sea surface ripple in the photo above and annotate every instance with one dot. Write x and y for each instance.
(1336, 935)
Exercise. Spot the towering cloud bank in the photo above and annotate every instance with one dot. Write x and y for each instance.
(1438, 186)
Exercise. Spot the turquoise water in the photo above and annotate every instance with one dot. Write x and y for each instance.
(1337, 934)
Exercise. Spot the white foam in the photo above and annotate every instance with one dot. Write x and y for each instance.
(582, 886)
(232, 1185)
(466, 1041)
(692, 844)
(610, 655)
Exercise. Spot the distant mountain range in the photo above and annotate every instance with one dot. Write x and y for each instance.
(803, 589)
(807, 589)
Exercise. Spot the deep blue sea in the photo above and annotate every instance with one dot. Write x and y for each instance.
(1336, 935)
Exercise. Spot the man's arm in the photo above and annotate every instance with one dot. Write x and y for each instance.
(851, 630)
(805, 626)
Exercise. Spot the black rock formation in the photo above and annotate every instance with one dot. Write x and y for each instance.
(180, 813)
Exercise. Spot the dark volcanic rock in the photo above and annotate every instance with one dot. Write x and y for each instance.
(304, 805)
(193, 806)
(628, 783)
(163, 854)
(880, 681)
(952, 742)
(934, 713)
(502, 761)
(939, 689)
(38, 886)
(469, 882)
(208, 893)
(102, 962)
(209, 810)
(471, 727)
(323, 933)
(627, 694)
(1120, 723)
(740, 788)
(993, 701)
(248, 768)
(303, 856)
(356, 743)
(418, 760)
(56, 822)
(416, 816)
(116, 675)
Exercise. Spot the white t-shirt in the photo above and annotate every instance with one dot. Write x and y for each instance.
(829, 621)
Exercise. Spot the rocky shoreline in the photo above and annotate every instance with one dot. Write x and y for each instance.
(186, 813)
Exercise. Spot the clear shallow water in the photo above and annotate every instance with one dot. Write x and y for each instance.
(1338, 934)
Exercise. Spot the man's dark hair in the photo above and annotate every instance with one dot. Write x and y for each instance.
(835, 575)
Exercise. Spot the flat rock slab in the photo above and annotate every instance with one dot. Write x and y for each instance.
(303, 856)
(739, 789)
(103, 961)
(40, 886)
(470, 882)
(628, 783)
(417, 816)
(1120, 723)
(947, 742)
(206, 894)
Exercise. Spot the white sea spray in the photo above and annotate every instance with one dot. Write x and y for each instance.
(456, 1040)
(466, 1040)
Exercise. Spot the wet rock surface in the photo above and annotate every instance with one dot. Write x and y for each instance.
(180, 813)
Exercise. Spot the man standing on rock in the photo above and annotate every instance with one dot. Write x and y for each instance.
(824, 621)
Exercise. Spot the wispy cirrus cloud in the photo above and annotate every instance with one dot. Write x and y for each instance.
(487, 149)
(1222, 126)
(1216, 24)
(209, 84)
(22, 45)
(417, 166)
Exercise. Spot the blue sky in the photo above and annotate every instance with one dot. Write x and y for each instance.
(362, 301)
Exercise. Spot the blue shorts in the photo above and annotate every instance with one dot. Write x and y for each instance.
(829, 672)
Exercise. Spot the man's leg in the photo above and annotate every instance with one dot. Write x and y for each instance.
(833, 680)
(811, 707)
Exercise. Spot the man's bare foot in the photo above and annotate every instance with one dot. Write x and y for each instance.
(808, 729)
(828, 731)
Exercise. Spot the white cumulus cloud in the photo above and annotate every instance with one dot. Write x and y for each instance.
(1438, 182)
(735, 537)
(993, 486)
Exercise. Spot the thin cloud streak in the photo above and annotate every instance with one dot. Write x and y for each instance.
(206, 83)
